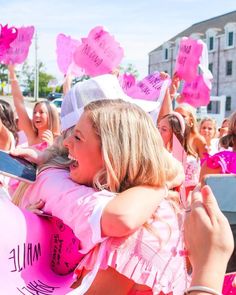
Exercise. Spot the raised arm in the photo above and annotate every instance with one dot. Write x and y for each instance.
(166, 106)
(67, 83)
(24, 120)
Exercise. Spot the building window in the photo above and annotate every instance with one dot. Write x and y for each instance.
(209, 107)
(210, 66)
(166, 54)
(229, 68)
(228, 103)
(211, 43)
(230, 41)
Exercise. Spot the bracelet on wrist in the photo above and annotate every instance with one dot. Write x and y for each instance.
(202, 289)
(11, 80)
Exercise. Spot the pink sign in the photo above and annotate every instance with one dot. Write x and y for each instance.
(151, 87)
(99, 53)
(127, 81)
(7, 36)
(19, 48)
(34, 251)
(66, 47)
(188, 59)
(196, 93)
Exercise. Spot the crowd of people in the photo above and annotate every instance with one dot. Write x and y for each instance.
(127, 186)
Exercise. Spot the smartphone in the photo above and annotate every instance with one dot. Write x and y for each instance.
(17, 167)
(224, 189)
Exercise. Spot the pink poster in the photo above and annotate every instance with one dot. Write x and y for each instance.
(19, 48)
(152, 87)
(7, 36)
(196, 93)
(99, 53)
(127, 81)
(188, 59)
(66, 47)
(37, 254)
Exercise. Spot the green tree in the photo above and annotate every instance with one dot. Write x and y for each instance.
(28, 74)
(130, 68)
(3, 73)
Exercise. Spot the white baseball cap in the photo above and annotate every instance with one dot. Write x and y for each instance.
(100, 87)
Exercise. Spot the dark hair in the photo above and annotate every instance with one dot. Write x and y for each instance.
(175, 126)
(8, 118)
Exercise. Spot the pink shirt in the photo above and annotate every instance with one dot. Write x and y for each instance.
(154, 258)
(69, 201)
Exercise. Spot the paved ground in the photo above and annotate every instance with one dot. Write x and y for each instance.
(29, 101)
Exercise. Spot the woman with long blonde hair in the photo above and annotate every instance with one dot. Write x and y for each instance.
(116, 149)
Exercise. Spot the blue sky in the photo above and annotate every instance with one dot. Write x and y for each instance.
(139, 26)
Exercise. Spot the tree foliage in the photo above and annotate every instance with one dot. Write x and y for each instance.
(3, 73)
(130, 69)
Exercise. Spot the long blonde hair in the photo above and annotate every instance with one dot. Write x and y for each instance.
(131, 146)
(53, 117)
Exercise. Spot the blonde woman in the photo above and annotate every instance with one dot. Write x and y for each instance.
(44, 126)
(208, 129)
(116, 149)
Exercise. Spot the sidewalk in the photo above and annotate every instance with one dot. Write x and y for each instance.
(29, 101)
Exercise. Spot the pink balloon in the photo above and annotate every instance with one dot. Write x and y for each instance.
(150, 88)
(31, 249)
(19, 48)
(99, 53)
(7, 36)
(196, 93)
(188, 59)
(66, 47)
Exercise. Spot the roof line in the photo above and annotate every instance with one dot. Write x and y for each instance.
(206, 20)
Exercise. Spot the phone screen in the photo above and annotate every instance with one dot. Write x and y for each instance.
(224, 189)
(17, 167)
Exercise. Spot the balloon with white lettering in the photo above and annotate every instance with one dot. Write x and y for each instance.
(7, 36)
(66, 47)
(99, 53)
(196, 93)
(188, 59)
(19, 48)
(37, 254)
(152, 87)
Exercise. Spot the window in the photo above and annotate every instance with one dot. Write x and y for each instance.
(229, 68)
(230, 41)
(209, 107)
(166, 54)
(211, 43)
(230, 31)
(228, 103)
(210, 66)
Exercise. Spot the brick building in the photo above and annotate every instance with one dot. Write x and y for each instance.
(219, 33)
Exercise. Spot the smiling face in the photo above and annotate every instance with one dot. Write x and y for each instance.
(40, 116)
(165, 131)
(84, 147)
(207, 129)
